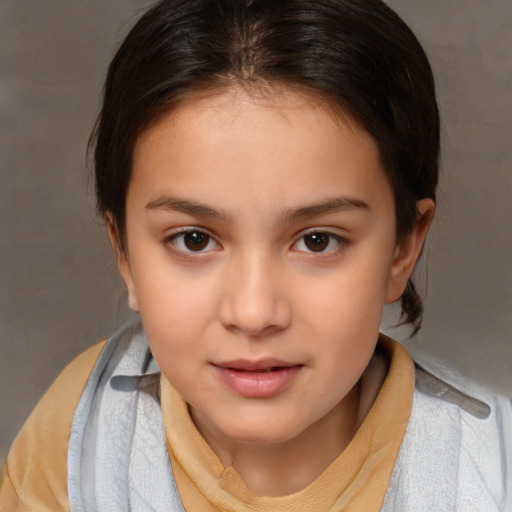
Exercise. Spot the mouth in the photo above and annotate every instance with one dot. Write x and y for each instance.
(257, 379)
(260, 370)
(260, 366)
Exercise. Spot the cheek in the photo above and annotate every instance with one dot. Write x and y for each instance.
(351, 299)
(345, 330)
(165, 288)
(175, 306)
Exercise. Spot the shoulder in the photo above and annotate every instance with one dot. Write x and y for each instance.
(458, 445)
(35, 477)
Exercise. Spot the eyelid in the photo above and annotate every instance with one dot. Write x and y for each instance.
(183, 230)
(340, 239)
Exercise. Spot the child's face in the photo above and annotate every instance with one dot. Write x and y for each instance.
(261, 250)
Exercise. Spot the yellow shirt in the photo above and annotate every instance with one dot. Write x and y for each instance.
(35, 477)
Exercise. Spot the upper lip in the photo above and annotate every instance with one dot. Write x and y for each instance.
(254, 366)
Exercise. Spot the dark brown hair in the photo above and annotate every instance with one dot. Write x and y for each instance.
(358, 55)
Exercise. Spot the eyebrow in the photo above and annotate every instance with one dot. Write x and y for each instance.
(197, 209)
(331, 205)
(186, 206)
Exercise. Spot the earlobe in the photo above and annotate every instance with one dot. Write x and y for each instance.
(409, 250)
(123, 263)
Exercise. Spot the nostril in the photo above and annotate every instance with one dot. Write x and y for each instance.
(253, 327)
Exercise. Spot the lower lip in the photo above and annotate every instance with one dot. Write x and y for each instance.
(258, 384)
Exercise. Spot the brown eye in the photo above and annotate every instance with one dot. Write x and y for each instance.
(320, 242)
(316, 242)
(192, 241)
(195, 240)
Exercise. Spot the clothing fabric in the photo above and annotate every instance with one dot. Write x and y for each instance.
(455, 454)
(35, 477)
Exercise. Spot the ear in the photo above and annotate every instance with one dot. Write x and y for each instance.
(409, 250)
(123, 262)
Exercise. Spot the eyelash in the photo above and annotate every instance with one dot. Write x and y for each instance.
(323, 237)
(170, 241)
(340, 241)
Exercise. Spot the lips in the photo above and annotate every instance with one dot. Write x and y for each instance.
(263, 365)
(257, 379)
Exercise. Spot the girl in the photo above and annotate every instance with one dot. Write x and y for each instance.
(267, 173)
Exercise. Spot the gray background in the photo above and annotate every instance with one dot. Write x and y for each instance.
(59, 286)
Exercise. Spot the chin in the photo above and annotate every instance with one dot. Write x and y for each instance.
(257, 432)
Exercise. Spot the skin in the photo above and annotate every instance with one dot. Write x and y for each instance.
(258, 174)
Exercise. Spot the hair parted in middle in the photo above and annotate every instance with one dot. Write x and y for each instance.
(357, 56)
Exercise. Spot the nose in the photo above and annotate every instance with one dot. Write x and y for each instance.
(255, 302)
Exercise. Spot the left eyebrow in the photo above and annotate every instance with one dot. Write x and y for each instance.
(332, 205)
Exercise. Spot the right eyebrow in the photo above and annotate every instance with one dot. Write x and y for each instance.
(192, 208)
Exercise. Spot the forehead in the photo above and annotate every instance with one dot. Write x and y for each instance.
(284, 143)
(191, 112)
